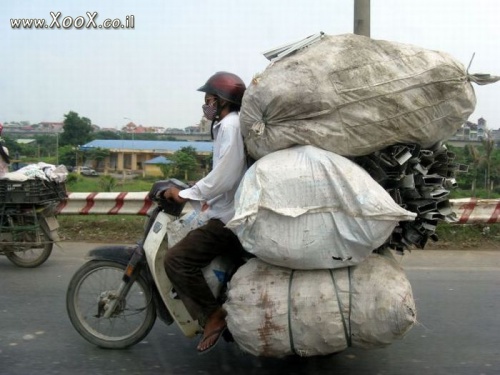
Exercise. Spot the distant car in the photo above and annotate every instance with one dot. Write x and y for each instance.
(86, 171)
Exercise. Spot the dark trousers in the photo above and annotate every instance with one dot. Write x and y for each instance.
(184, 263)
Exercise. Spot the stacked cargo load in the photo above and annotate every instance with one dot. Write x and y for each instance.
(307, 208)
(276, 311)
(347, 133)
(353, 95)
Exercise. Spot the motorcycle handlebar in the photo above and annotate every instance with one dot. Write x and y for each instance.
(169, 206)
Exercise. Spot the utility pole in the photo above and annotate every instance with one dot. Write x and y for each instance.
(133, 133)
(362, 17)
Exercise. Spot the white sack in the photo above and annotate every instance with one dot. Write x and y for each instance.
(217, 272)
(307, 208)
(353, 95)
(178, 229)
(41, 170)
(275, 312)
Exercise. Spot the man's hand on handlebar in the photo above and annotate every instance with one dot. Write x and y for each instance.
(172, 193)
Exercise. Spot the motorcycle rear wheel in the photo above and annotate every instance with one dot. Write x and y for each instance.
(133, 318)
(28, 256)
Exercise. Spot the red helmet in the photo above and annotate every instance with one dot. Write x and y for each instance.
(225, 85)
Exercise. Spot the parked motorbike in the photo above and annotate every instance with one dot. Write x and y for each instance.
(28, 224)
(115, 297)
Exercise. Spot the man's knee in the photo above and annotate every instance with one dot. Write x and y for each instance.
(171, 262)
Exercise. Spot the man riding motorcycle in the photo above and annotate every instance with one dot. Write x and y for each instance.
(215, 195)
(4, 156)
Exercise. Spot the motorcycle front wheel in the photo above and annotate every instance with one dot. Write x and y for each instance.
(89, 291)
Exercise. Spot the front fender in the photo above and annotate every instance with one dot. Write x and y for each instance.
(119, 254)
(122, 255)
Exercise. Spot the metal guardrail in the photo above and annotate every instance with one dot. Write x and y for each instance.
(475, 211)
(468, 210)
(125, 203)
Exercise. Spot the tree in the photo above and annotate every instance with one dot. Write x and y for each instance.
(189, 150)
(67, 155)
(98, 154)
(475, 158)
(167, 170)
(185, 161)
(12, 146)
(46, 145)
(495, 169)
(483, 160)
(207, 161)
(489, 147)
(106, 134)
(77, 130)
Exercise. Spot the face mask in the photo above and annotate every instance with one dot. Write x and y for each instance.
(209, 111)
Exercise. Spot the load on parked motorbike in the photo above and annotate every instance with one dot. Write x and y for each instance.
(28, 226)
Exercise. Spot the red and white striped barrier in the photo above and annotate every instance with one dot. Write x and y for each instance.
(468, 210)
(126, 203)
(475, 211)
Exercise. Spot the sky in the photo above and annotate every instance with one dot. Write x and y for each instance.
(149, 74)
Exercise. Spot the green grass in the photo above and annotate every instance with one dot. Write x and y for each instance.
(467, 236)
(91, 184)
(129, 228)
(103, 228)
(466, 232)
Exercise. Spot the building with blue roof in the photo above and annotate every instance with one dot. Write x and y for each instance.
(153, 167)
(133, 155)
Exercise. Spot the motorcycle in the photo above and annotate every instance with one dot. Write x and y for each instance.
(114, 298)
(28, 224)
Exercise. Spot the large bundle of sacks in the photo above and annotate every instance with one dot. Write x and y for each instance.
(276, 311)
(313, 219)
(307, 208)
(353, 95)
(347, 133)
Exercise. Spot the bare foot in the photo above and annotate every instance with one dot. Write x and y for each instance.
(214, 328)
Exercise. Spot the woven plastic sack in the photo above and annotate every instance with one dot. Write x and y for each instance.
(276, 312)
(353, 95)
(217, 272)
(178, 229)
(307, 208)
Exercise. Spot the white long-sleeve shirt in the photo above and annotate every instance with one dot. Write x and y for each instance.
(218, 188)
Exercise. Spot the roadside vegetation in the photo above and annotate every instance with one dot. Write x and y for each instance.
(121, 229)
(482, 180)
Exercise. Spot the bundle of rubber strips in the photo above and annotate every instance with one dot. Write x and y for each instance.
(420, 181)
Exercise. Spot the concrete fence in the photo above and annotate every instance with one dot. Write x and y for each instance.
(468, 210)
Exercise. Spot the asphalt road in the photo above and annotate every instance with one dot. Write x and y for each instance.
(457, 294)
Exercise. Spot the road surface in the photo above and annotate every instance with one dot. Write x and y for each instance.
(457, 294)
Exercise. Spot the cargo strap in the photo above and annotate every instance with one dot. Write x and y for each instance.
(290, 334)
(347, 325)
